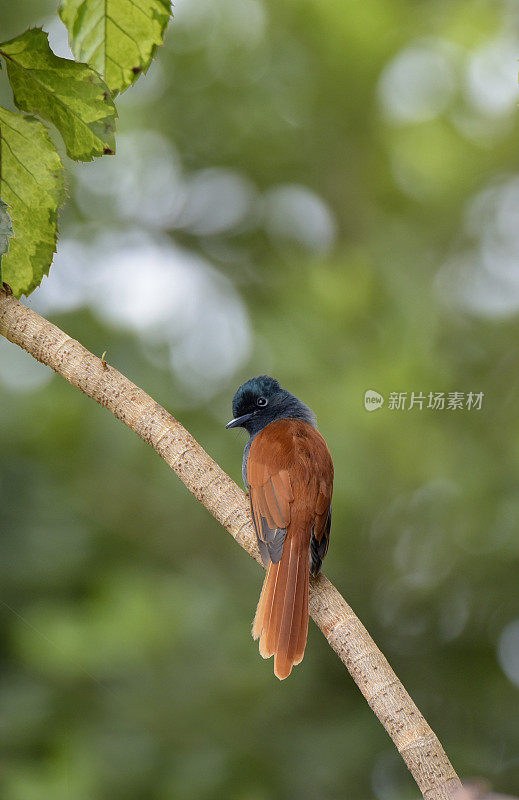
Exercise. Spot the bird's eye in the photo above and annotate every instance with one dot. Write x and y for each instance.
(262, 402)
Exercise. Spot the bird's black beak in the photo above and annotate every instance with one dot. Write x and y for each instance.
(235, 423)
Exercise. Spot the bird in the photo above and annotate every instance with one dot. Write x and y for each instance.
(287, 470)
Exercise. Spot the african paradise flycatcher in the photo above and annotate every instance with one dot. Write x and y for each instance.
(288, 471)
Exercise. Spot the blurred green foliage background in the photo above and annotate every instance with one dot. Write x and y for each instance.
(327, 192)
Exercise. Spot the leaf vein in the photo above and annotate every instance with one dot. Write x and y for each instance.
(13, 191)
(125, 33)
(6, 142)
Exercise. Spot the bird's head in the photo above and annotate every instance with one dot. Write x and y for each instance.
(260, 401)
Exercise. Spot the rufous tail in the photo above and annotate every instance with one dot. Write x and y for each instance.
(281, 621)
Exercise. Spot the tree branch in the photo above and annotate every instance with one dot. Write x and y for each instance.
(414, 739)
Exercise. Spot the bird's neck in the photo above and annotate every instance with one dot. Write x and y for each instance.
(292, 409)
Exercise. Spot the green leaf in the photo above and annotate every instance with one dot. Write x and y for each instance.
(118, 38)
(71, 95)
(6, 230)
(31, 183)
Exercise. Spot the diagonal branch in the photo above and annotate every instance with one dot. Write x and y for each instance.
(414, 739)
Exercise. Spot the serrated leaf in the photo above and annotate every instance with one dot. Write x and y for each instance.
(118, 38)
(6, 230)
(31, 183)
(70, 95)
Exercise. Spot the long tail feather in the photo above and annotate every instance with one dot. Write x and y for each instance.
(281, 621)
(303, 630)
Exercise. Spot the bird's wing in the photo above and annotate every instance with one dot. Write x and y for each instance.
(289, 458)
(323, 523)
(270, 496)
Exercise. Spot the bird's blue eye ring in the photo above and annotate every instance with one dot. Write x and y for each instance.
(262, 402)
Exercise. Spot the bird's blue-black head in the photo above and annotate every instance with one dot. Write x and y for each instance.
(261, 401)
